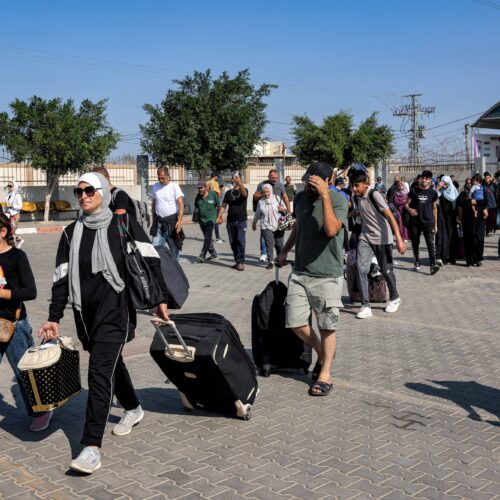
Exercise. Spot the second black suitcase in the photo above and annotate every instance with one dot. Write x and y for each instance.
(273, 345)
(203, 356)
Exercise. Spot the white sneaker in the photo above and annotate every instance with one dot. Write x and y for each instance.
(393, 305)
(364, 312)
(439, 263)
(263, 258)
(88, 461)
(128, 420)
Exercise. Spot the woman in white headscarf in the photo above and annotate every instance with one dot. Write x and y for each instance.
(268, 213)
(90, 275)
(13, 206)
(447, 221)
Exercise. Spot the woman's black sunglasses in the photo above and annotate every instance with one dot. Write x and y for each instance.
(89, 191)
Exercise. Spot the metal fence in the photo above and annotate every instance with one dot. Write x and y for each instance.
(126, 174)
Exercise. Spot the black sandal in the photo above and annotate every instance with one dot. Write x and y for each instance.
(324, 389)
(316, 371)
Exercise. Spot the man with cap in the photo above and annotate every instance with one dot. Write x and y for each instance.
(207, 204)
(236, 200)
(338, 187)
(380, 186)
(317, 278)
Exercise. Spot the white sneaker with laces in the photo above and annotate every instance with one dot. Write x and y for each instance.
(128, 420)
(393, 305)
(88, 461)
(263, 258)
(364, 312)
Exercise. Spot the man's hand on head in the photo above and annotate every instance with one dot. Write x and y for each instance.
(320, 185)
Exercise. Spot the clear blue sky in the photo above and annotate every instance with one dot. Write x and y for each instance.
(325, 55)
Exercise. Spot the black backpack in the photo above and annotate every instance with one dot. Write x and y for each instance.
(141, 210)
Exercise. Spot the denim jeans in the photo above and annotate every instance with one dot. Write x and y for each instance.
(237, 232)
(263, 246)
(20, 342)
(163, 237)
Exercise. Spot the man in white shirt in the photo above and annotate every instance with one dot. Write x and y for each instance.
(168, 209)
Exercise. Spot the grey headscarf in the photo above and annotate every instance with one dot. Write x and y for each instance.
(102, 259)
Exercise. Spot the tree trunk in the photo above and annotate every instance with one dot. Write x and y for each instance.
(48, 195)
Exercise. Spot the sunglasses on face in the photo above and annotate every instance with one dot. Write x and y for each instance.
(10, 186)
(89, 191)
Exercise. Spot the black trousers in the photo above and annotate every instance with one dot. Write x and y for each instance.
(474, 229)
(237, 233)
(108, 376)
(208, 245)
(416, 230)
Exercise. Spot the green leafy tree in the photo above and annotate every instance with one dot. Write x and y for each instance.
(335, 142)
(372, 142)
(206, 124)
(55, 137)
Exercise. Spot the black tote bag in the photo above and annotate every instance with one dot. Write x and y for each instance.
(141, 285)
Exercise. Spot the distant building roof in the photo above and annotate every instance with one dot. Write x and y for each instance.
(490, 119)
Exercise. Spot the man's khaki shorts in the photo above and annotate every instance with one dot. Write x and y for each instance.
(322, 295)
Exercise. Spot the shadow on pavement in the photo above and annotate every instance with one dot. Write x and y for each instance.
(466, 395)
(69, 419)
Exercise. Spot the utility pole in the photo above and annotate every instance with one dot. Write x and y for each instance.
(417, 132)
(467, 152)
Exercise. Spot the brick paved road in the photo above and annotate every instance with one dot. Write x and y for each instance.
(415, 411)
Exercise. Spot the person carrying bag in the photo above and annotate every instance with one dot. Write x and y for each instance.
(91, 275)
(17, 285)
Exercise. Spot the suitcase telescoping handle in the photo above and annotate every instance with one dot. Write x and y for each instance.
(187, 353)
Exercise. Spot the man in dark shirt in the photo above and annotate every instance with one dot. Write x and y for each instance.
(121, 203)
(236, 200)
(422, 207)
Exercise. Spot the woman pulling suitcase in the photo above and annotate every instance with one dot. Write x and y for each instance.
(17, 285)
(90, 275)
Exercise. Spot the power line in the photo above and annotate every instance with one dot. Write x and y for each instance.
(488, 3)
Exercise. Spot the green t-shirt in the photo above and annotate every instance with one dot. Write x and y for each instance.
(316, 254)
(208, 207)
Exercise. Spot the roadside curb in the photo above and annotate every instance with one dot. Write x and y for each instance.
(59, 228)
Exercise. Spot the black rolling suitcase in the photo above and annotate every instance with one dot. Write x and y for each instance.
(203, 356)
(274, 346)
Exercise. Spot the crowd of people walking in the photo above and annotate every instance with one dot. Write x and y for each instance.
(90, 273)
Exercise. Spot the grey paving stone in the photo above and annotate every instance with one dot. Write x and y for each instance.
(396, 425)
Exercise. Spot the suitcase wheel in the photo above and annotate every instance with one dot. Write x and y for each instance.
(187, 409)
(264, 373)
(243, 411)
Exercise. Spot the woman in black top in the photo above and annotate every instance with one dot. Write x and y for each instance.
(17, 285)
(90, 275)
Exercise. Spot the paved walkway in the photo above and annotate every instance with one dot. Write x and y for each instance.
(415, 410)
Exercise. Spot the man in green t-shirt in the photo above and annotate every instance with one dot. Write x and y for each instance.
(317, 278)
(206, 206)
